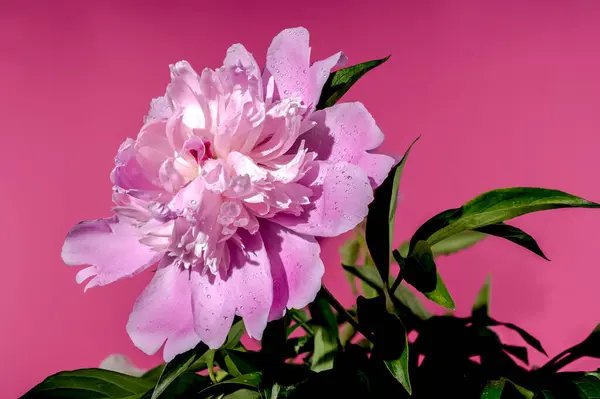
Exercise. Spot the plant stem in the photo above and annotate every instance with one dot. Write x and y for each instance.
(400, 276)
(344, 313)
(302, 323)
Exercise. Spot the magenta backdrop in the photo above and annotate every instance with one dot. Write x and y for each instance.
(502, 93)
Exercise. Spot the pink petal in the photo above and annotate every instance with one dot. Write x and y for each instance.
(296, 267)
(128, 174)
(288, 61)
(163, 312)
(153, 149)
(345, 132)
(160, 109)
(237, 55)
(184, 87)
(213, 309)
(341, 197)
(110, 246)
(320, 71)
(246, 291)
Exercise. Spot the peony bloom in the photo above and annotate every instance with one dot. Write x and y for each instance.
(228, 183)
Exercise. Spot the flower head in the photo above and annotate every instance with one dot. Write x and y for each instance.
(228, 183)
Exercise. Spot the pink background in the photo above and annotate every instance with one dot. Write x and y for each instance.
(503, 93)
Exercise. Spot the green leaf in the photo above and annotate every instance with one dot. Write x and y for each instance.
(326, 333)
(301, 319)
(183, 385)
(325, 350)
(420, 271)
(588, 347)
(515, 235)
(411, 301)
(244, 394)
(350, 252)
(180, 364)
(440, 295)
(588, 387)
(380, 220)
(90, 383)
(342, 80)
(519, 352)
(201, 363)
(274, 337)
(505, 389)
(391, 343)
(591, 345)
(348, 332)
(247, 381)
(528, 338)
(370, 276)
(154, 373)
(467, 239)
(482, 302)
(322, 314)
(544, 394)
(450, 245)
(493, 207)
(235, 334)
(398, 366)
(238, 363)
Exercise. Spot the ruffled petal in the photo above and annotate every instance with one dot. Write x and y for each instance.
(296, 267)
(163, 312)
(237, 55)
(346, 132)
(160, 109)
(184, 88)
(288, 61)
(247, 290)
(341, 197)
(111, 247)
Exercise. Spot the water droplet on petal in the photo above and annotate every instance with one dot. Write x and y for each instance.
(208, 296)
(286, 92)
(241, 308)
(304, 71)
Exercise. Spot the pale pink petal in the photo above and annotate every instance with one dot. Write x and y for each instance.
(288, 61)
(213, 310)
(296, 267)
(128, 174)
(247, 290)
(252, 283)
(110, 246)
(341, 197)
(237, 55)
(160, 109)
(152, 149)
(184, 87)
(346, 132)
(320, 71)
(163, 312)
(121, 364)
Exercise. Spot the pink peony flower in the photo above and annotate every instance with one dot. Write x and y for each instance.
(228, 183)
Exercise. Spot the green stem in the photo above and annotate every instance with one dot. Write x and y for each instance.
(344, 313)
(302, 324)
